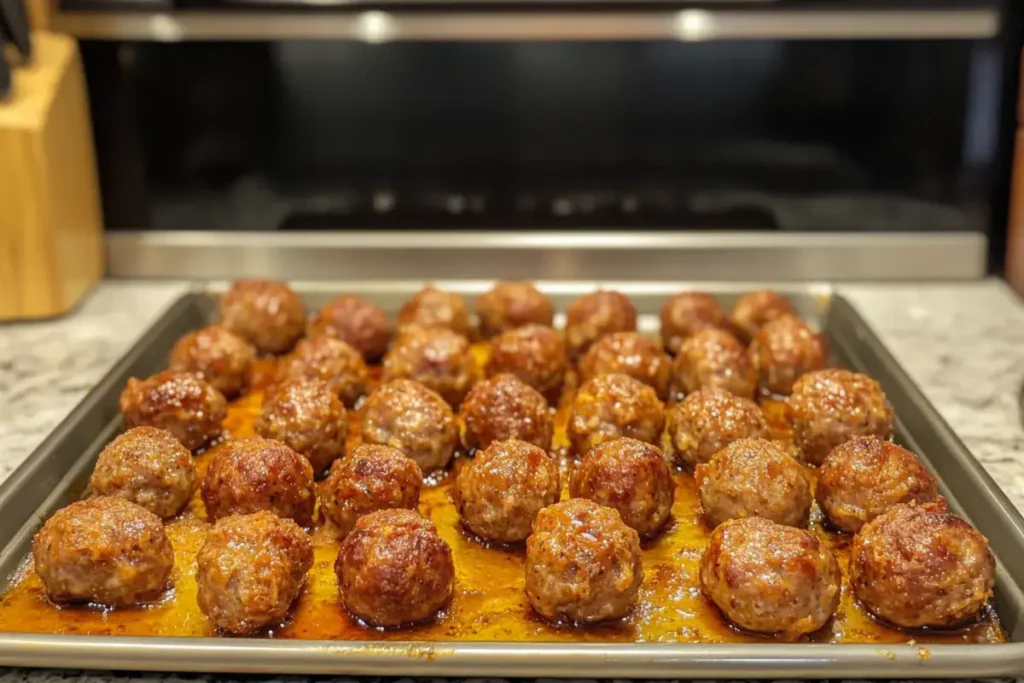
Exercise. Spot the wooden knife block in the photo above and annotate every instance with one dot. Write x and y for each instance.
(51, 227)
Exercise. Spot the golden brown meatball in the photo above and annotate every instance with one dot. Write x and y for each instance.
(829, 407)
(687, 313)
(770, 578)
(439, 359)
(918, 566)
(266, 313)
(306, 416)
(179, 402)
(147, 466)
(753, 478)
(594, 315)
(355, 321)
(535, 354)
(249, 571)
(707, 421)
(410, 417)
(394, 569)
(630, 476)
(504, 408)
(582, 563)
(753, 311)
(714, 359)
(509, 305)
(432, 308)
(329, 360)
(221, 358)
(628, 353)
(105, 550)
(372, 478)
(783, 350)
(499, 493)
(249, 475)
(610, 406)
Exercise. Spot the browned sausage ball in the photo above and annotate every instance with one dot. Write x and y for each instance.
(707, 421)
(249, 475)
(594, 315)
(770, 578)
(181, 403)
(783, 350)
(917, 566)
(306, 416)
(535, 354)
(330, 360)
(610, 406)
(410, 417)
(864, 477)
(439, 359)
(687, 313)
(355, 321)
(431, 308)
(266, 313)
(147, 466)
(372, 478)
(105, 550)
(504, 408)
(753, 311)
(630, 476)
(499, 493)
(754, 478)
(829, 407)
(394, 569)
(628, 353)
(582, 563)
(509, 305)
(222, 358)
(715, 359)
(250, 570)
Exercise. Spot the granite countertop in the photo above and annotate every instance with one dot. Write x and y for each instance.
(963, 344)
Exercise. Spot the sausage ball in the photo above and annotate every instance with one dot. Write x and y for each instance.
(535, 354)
(753, 478)
(432, 308)
(330, 360)
(713, 358)
(179, 402)
(306, 416)
(582, 563)
(594, 315)
(410, 417)
(509, 305)
(707, 421)
(439, 359)
(394, 569)
(223, 359)
(147, 466)
(610, 406)
(249, 571)
(830, 407)
(504, 408)
(753, 311)
(249, 475)
(687, 313)
(105, 550)
(918, 566)
(499, 493)
(628, 353)
(631, 477)
(355, 321)
(783, 350)
(266, 313)
(372, 478)
(770, 578)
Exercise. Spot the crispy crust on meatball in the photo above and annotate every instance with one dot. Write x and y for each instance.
(707, 421)
(355, 321)
(783, 350)
(432, 308)
(266, 313)
(223, 359)
(628, 353)
(329, 360)
(753, 311)
(713, 358)
(414, 419)
(508, 305)
(439, 359)
(594, 315)
(503, 408)
(372, 478)
(306, 416)
(179, 402)
(533, 353)
(610, 406)
(687, 313)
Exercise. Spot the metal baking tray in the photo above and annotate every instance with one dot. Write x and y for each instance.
(55, 475)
